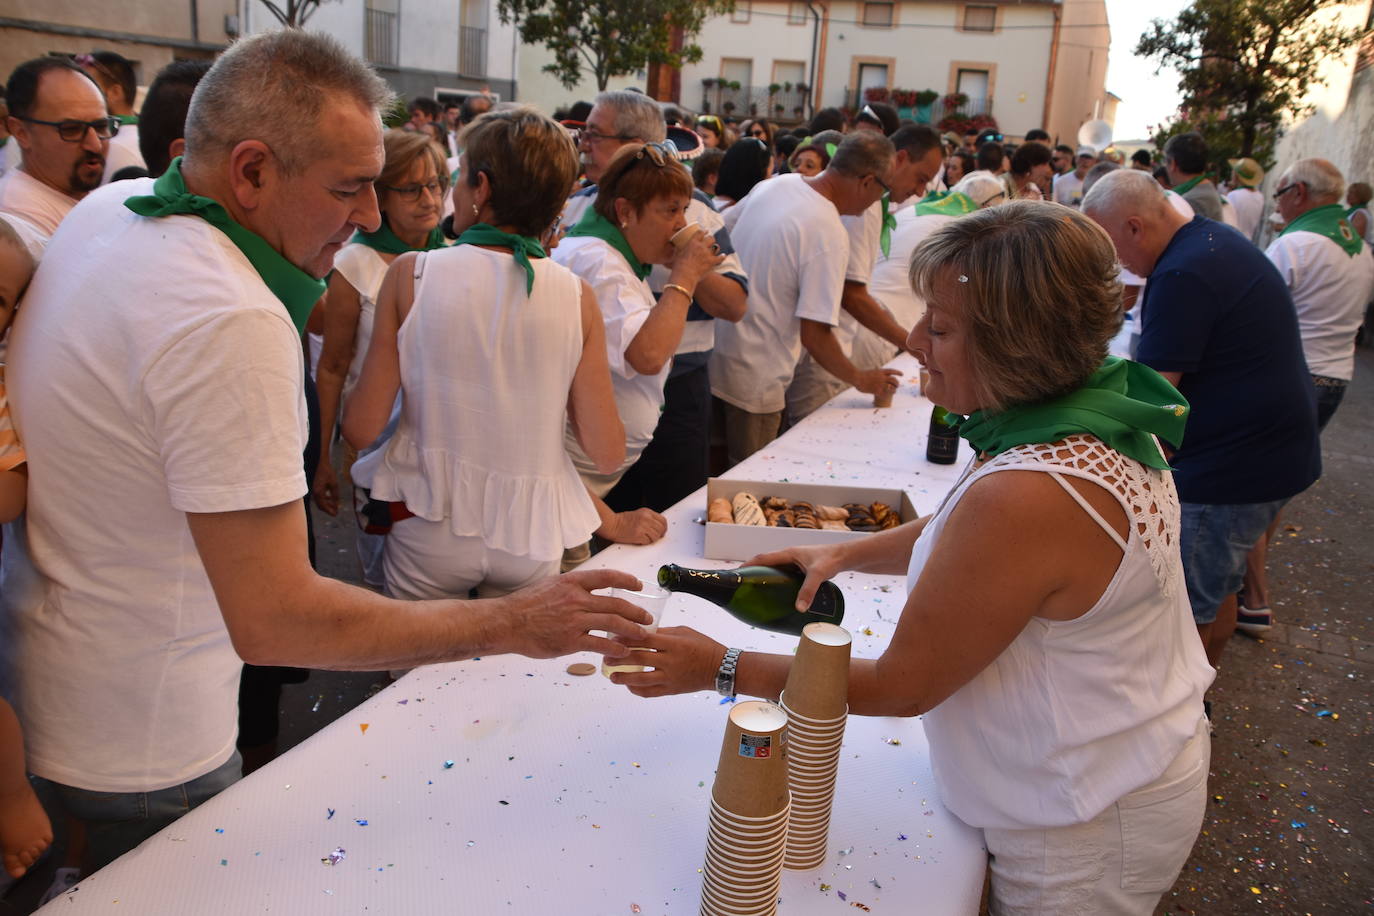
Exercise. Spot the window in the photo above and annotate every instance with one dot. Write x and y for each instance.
(741, 11)
(878, 15)
(382, 33)
(980, 18)
(796, 13)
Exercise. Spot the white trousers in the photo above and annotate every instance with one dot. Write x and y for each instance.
(1119, 863)
(424, 559)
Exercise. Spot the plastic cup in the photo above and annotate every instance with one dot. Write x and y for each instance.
(751, 776)
(653, 600)
(685, 235)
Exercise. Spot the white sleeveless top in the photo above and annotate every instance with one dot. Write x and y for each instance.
(364, 270)
(1075, 714)
(485, 376)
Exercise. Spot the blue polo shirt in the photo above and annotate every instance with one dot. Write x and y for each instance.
(1218, 311)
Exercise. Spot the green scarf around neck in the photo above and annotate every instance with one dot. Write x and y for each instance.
(295, 288)
(946, 203)
(889, 223)
(1188, 185)
(522, 247)
(1125, 404)
(1329, 221)
(387, 242)
(596, 226)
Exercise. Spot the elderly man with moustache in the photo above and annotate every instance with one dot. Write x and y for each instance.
(165, 432)
(1219, 324)
(59, 122)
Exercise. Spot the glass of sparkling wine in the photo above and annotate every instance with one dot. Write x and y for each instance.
(654, 601)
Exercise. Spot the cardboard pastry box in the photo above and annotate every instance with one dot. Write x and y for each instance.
(740, 542)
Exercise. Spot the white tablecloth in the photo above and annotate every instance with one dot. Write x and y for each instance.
(505, 785)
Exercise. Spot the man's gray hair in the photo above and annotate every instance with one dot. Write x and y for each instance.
(864, 152)
(1321, 177)
(983, 188)
(1126, 192)
(1095, 174)
(634, 116)
(273, 87)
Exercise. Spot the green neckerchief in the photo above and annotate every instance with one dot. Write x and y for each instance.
(946, 203)
(1330, 222)
(387, 242)
(1188, 185)
(598, 227)
(829, 147)
(1122, 404)
(127, 120)
(296, 289)
(522, 247)
(889, 223)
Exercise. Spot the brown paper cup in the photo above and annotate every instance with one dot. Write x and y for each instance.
(751, 777)
(884, 397)
(685, 235)
(818, 682)
(752, 823)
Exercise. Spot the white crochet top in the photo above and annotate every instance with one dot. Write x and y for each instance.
(1075, 714)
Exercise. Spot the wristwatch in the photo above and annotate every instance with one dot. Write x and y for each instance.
(725, 677)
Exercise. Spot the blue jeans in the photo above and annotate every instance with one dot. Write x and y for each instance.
(116, 822)
(1214, 541)
(1328, 399)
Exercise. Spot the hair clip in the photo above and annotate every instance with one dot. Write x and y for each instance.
(963, 278)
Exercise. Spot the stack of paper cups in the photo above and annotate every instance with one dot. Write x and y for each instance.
(749, 809)
(816, 701)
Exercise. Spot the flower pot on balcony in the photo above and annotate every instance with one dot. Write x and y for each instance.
(924, 112)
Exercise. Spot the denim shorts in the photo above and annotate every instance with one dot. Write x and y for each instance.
(116, 822)
(1215, 540)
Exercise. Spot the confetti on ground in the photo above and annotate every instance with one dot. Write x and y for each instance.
(335, 857)
(363, 727)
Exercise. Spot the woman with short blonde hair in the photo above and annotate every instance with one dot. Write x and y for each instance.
(1047, 639)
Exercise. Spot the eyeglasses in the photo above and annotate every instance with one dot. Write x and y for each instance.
(595, 136)
(75, 131)
(882, 184)
(411, 193)
(656, 153)
(1285, 189)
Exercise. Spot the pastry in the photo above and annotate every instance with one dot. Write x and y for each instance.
(831, 513)
(787, 519)
(776, 503)
(719, 511)
(747, 510)
(806, 520)
(885, 516)
(771, 516)
(860, 518)
(833, 524)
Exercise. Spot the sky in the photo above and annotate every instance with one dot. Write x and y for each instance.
(1146, 99)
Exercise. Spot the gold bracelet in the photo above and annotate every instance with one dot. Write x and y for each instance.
(682, 289)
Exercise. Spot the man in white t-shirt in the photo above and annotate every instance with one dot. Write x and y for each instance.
(115, 77)
(1068, 187)
(796, 251)
(1245, 198)
(868, 332)
(59, 122)
(165, 430)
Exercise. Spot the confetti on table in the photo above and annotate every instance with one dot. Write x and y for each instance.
(224, 861)
(895, 742)
(825, 887)
(503, 802)
(360, 821)
(330, 815)
(634, 908)
(219, 830)
(448, 764)
(363, 727)
(842, 895)
(335, 857)
(874, 882)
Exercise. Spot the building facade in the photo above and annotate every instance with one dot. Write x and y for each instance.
(437, 48)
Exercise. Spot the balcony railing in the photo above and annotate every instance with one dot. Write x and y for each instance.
(754, 102)
(472, 51)
(381, 38)
(969, 109)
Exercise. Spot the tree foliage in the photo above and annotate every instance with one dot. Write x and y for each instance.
(292, 13)
(1246, 65)
(608, 38)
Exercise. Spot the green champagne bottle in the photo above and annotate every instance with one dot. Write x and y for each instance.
(761, 596)
(942, 443)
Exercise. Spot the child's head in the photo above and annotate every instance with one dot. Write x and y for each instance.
(1358, 194)
(16, 269)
